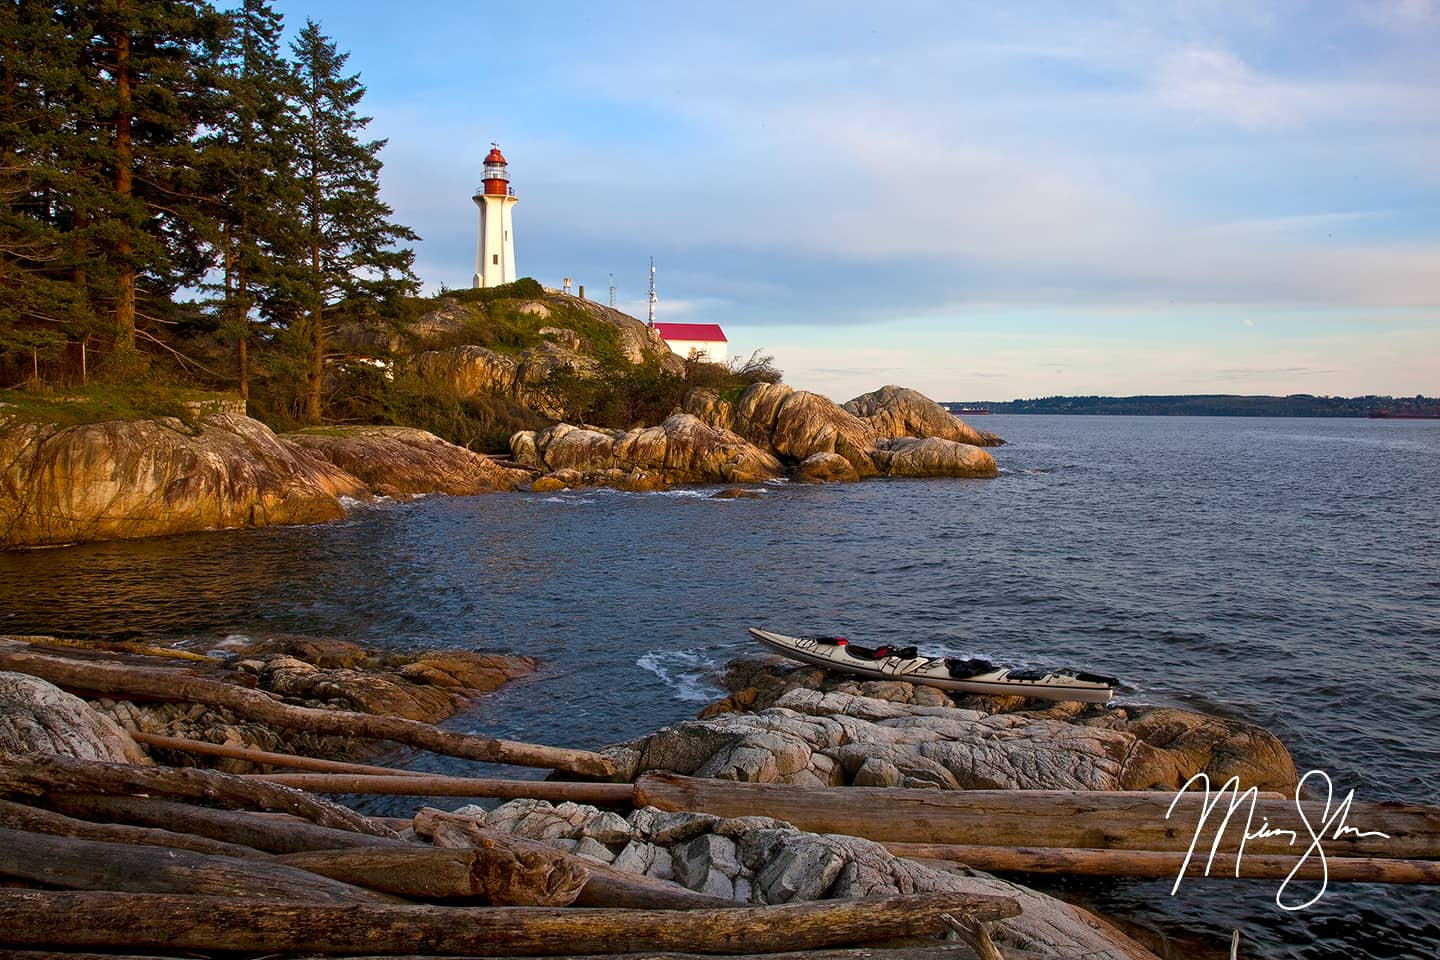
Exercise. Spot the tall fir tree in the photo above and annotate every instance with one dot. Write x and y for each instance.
(249, 158)
(351, 241)
(151, 66)
(43, 301)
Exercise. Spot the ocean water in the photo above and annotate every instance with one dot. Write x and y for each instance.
(1278, 570)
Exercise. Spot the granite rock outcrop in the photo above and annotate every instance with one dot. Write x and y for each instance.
(403, 461)
(893, 431)
(140, 478)
(788, 724)
(761, 860)
(683, 449)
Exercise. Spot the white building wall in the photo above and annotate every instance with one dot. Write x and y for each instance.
(712, 350)
(495, 246)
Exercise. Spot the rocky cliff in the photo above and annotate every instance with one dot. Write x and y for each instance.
(767, 431)
(142, 478)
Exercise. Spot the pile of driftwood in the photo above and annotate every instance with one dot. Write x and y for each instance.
(166, 861)
(120, 857)
(127, 858)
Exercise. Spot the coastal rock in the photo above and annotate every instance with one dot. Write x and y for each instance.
(765, 861)
(427, 686)
(36, 716)
(404, 461)
(893, 430)
(804, 727)
(934, 457)
(141, 478)
(825, 468)
(680, 450)
(895, 411)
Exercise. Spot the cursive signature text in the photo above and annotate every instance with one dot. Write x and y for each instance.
(1332, 825)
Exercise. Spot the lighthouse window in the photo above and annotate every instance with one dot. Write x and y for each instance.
(495, 258)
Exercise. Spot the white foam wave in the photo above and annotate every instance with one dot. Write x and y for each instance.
(691, 675)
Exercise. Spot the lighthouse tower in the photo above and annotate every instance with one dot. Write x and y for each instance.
(495, 248)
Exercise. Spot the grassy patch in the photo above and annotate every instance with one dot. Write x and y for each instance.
(73, 406)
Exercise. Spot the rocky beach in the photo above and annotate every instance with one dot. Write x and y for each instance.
(782, 724)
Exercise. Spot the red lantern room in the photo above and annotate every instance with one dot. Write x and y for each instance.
(497, 174)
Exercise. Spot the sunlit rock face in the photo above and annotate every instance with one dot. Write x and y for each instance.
(901, 412)
(141, 478)
(893, 430)
(683, 449)
(404, 462)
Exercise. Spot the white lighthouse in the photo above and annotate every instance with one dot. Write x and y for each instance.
(495, 247)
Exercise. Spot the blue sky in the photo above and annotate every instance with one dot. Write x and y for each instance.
(983, 201)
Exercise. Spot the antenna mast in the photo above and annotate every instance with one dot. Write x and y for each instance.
(652, 292)
(612, 291)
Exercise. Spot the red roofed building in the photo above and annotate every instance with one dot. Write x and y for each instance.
(704, 341)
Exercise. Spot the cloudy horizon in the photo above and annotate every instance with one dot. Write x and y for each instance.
(981, 202)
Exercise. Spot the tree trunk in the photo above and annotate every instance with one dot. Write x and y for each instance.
(1047, 818)
(18, 816)
(73, 864)
(208, 924)
(124, 186)
(495, 874)
(606, 887)
(173, 685)
(35, 773)
(1152, 863)
(258, 831)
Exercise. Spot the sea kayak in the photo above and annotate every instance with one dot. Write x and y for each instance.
(948, 673)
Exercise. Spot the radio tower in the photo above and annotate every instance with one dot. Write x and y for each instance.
(652, 293)
(612, 291)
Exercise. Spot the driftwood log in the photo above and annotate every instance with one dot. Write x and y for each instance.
(606, 886)
(70, 863)
(1048, 818)
(1154, 863)
(178, 685)
(138, 922)
(258, 831)
(33, 774)
(18, 816)
(201, 748)
(435, 785)
(490, 874)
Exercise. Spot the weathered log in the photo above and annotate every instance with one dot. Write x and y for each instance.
(490, 874)
(265, 757)
(112, 646)
(121, 922)
(428, 785)
(1052, 818)
(32, 774)
(606, 886)
(265, 833)
(907, 948)
(178, 685)
(18, 816)
(70, 863)
(1151, 863)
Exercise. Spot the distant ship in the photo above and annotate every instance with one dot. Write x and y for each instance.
(1396, 415)
(970, 411)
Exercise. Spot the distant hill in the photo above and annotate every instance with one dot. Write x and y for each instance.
(1212, 405)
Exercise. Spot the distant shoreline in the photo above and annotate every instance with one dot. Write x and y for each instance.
(1213, 405)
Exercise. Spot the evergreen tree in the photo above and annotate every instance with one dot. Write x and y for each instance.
(350, 239)
(151, 68)
(43, 300)
(250, 164)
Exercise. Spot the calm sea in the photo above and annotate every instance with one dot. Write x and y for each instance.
(1284, 571)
